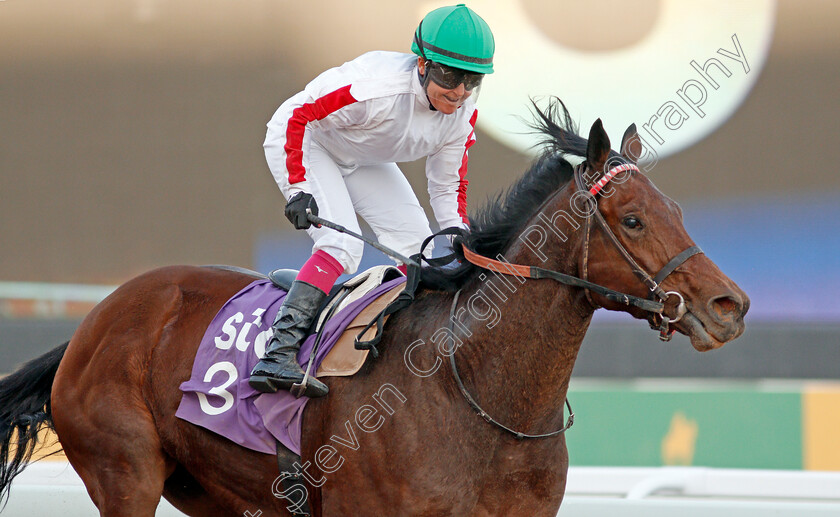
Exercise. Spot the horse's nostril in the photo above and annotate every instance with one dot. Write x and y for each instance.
(725, 308)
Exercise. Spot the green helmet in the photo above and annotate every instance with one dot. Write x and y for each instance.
(455, 36)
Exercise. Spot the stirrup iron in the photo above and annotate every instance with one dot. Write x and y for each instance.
(299, 388)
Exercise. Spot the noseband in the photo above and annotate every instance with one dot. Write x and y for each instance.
(654, 304)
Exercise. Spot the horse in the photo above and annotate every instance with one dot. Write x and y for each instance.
(401, 437)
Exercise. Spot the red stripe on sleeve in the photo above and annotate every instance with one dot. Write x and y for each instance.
(296, 127)
(462, 172)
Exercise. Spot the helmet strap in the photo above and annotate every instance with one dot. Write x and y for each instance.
(424, 78)
(418, 39)
(424, 82)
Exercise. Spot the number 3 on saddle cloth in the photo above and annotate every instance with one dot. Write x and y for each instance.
(218, 397)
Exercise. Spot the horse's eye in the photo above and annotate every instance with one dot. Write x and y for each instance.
(632, 222)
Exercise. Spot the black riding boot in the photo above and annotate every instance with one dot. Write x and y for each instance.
(279, 367)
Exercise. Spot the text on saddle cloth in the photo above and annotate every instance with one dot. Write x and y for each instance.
(217, 395)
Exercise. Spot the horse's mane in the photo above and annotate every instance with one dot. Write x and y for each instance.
(494, 226)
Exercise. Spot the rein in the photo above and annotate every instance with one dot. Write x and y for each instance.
(483, 414)
(655, 308)
(538, 273)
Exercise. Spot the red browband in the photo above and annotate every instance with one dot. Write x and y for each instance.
(525, 271)
(609, 175)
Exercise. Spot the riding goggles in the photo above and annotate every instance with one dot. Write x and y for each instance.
(450, 78)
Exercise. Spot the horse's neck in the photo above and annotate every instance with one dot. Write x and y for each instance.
(521, 361)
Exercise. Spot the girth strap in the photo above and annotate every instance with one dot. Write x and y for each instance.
(292, 483)
(405, 298)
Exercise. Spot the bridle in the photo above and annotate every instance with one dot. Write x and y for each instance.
(654, 304)
(653, 283)
(656, 309)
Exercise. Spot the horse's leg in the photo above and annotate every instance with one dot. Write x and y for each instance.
(99, 407)
(116, 393)
(187, 495)
(120, 462)
(525, 480)
(214, 476)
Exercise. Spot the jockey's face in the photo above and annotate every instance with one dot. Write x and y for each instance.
(445, 100)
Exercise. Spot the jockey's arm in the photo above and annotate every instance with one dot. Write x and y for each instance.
(446, 171)
(323, 105)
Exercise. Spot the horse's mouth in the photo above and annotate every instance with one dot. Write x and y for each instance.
(709, 337)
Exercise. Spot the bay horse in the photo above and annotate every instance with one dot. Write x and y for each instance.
(417, 449)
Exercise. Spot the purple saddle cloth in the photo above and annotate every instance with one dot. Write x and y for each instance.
(218, 396)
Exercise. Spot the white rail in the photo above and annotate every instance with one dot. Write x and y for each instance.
(54, 292)
(53, 488)
(641, 482)
(698, 491)
(31, 299)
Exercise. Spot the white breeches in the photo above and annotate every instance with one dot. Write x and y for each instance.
(380, 194)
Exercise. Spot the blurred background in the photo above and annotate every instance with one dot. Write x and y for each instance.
(132, 132)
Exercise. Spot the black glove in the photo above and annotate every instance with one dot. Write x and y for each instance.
(296, 210)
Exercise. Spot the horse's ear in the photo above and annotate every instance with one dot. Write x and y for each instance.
(598, 148)
(631, 144)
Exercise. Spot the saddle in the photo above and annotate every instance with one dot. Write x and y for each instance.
(345, 359)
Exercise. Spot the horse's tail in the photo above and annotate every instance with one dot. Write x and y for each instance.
(24, 410)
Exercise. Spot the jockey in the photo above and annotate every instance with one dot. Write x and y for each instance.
(332, 149)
